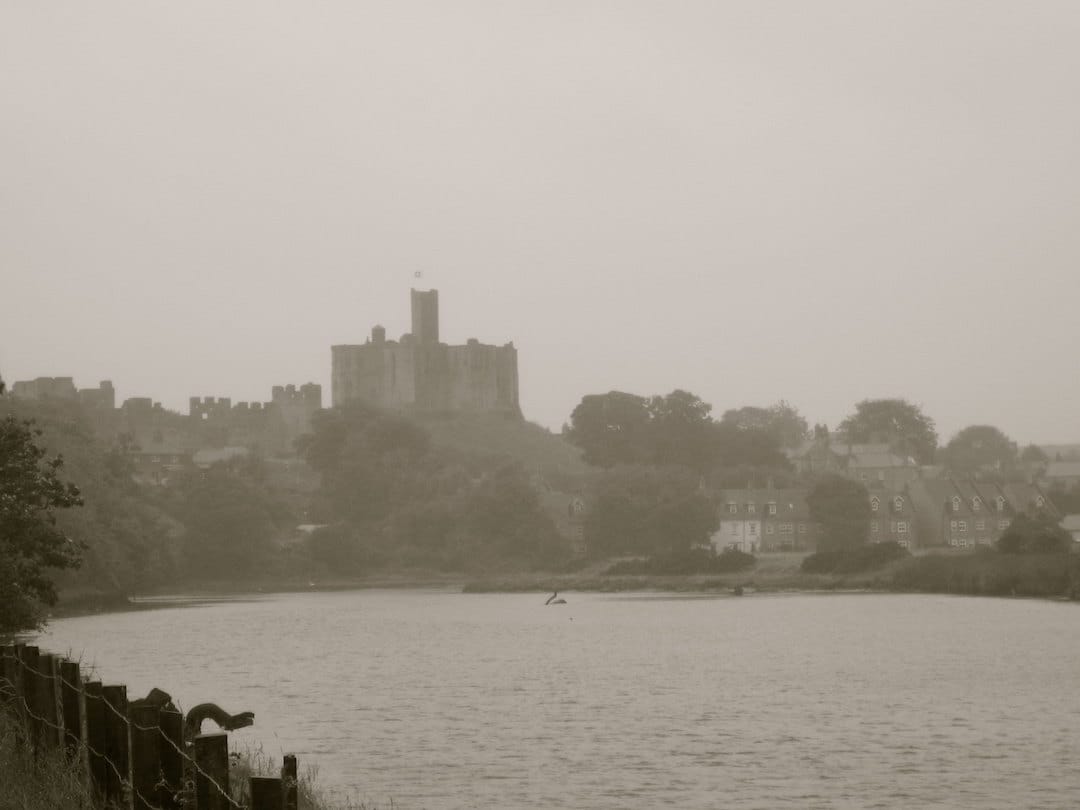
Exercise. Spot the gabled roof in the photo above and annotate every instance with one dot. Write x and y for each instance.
(877, 460)
(1022, 497)
(1063, 469)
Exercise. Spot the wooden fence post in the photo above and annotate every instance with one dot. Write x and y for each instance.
(95, 735)
(289, 783)
(73, 706)
(117, 746)
(20, 682)
(47, 683)
(172, 761)
(212, 759)
(9, 666)
(265, 793)
(145, 755)
(32, 693)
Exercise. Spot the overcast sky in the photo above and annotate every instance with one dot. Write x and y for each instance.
(816, 201)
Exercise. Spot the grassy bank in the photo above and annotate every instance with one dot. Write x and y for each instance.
(986, 573)
(48, 780)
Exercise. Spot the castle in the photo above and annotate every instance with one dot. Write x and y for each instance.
(419, 373)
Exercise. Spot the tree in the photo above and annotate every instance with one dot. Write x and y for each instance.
(1034, 534)
(645, 509)
(896, 421)
(679, 430)
(1033, 454)
(30, 541)
(979, 448)
(611, 428)
(842, 507)
(782, 421)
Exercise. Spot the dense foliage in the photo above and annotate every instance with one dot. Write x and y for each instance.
(1034, 534)
(842, 507)
(393, 497)
(672, 430)
(990, 573)
(980, 449)
(893, 421)
(854, 560)
(641, 509)
(31, 542)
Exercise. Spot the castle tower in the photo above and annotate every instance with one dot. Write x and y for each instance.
(425, 316)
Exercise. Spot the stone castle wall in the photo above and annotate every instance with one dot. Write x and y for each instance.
(419, 373)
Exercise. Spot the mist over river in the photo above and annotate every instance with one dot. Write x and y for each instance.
(445, 700)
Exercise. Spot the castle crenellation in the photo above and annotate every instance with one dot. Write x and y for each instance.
(420, 373)
(414, 373)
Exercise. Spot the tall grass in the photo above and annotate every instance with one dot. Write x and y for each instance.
(256, 762)
(48, 781)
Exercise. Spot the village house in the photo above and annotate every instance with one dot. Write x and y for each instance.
(1062, 474)
(875, 465)
(968, 514)
(754, 520)
(892, 519)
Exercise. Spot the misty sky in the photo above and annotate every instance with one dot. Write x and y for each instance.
(816, 201)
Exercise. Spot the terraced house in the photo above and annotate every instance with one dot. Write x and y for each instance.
(892, 519)
(963, 513)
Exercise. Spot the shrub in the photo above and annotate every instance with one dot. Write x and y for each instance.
(853, 561)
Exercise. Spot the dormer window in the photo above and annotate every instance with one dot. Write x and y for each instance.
(898, 503)
(976, 504)
(772, 507)
(874, 504)
(956, 503)
(1000, 504)
(750, 508)
(1040, 501)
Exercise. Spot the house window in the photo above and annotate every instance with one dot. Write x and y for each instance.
(955, 504)
(750, 508)
(873, 504)
(772, 507)
(898, 504)
(901, 527)
(873, 527)
(802, 528)
(1003, 525)
(952, 525)
(732, 508)
(962, 525)
(975, 504)
(770, 529)
(980, 525)
(903, 543)
(155, 459)
(753, 528)
(787, 528)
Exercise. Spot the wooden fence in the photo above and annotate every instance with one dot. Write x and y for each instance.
(134, 756)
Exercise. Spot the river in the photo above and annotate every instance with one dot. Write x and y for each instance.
(441, 700)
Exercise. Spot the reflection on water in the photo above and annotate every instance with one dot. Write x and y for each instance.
(445, 700)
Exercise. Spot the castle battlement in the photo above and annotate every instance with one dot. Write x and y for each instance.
(420, 373)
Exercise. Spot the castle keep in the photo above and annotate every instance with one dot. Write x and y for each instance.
(420, 373)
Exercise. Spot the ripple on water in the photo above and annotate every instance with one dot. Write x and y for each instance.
(447, 700)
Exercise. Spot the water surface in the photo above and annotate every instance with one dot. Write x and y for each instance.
(447, 700)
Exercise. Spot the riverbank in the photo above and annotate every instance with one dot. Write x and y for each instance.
(1047, 576)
